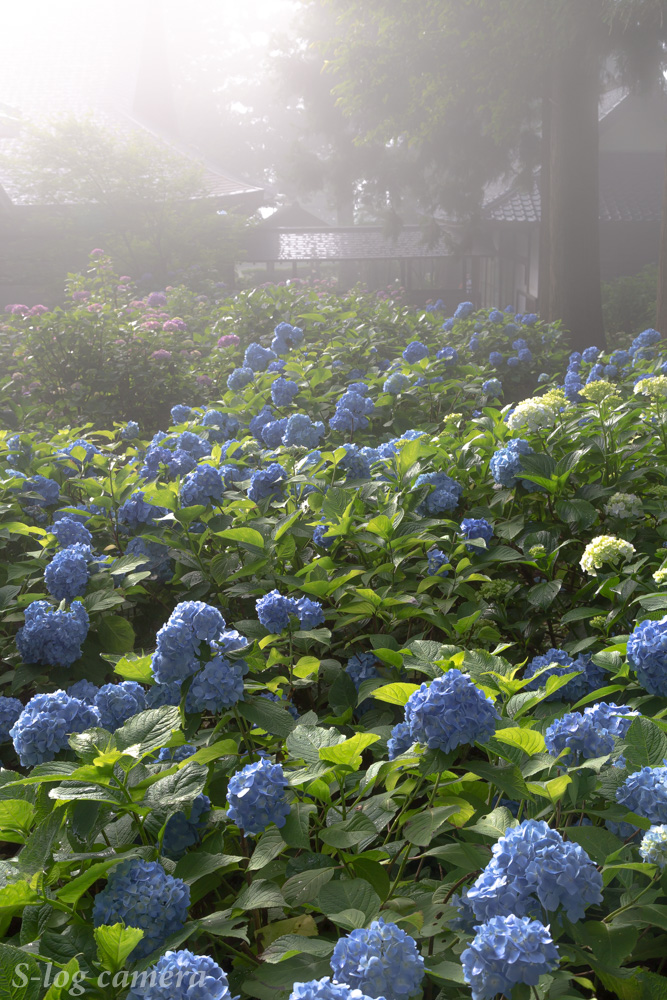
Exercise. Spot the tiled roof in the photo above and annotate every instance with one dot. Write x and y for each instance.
(630, 191)
(344, 243)
(83, 60)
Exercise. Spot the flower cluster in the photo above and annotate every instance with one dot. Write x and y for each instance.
(532, 867)
(181, 975)
(437, 560)
(218, 686)
(140, 894)
(362, 667)
(645, 793)
(581, 735)
(647, 655)
(283, 391)
(624, 505)
(67, 531)
(653, 847)
(267, 482)
(10, 709)
(415, 351)
(256, 797)
(605, 549)
(506, 951)
(203, 485)
(301, 431)
(450, 712)
(274, 611)
(285, 337)
(258, 358)
(505, 463)
(532, 415)
(476, 530)
(43, 727)
(135, 511)
(444, 496)
(116, 703)
(557, 664)
(492, 386)
(51, 636)
(66, 576)
(381, 961)
(352, 411)
(179, 639)
(183, 831)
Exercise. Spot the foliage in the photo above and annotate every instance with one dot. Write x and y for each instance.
(272, 793)
(628, 303)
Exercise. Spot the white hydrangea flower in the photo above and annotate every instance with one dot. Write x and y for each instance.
(605, 549)
(653, 847)
(660, 575)
(624, 505)
(532, 415)
(656, 387)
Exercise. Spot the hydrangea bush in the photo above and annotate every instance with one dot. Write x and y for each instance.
(333, 657)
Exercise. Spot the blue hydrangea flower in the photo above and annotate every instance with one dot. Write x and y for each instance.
(267, 482)
(492, 387)
(355, 463)
(647, 655)
(653, 847)
(476, 529)
(116, 703)
(229, 641)
(463, 310)
(301, 431)
(559, 663)
(135, 511)
(51, 636)
(163, 694)
(445, 495)
(180, 413)
(437, 559)
(645, 793)
(176, 755)
(256, 797)
(69, 531)
(362, 667)
(310, 613)
(400, 740)
(590, 354)
(265, 416)
(203, 485)
(448, 325)
(352, 411)
(495, 359)
(84, 690)
(10, 709)
(184, 831)
(131, 431)
(450, 712)
(415, 351)
(274, 610)
(620, 358)
(580, 734)
(48, 489)
(240, 378)
(43, 727)
(643, 340)
(506, 951)
(321, 538)
(178, 641)
(396, 383)
(614, 719)
(286, 336)
(66, 576)
(218, 686)
(283, 391)
(532, 867)
(221, 426)
(505, 464)
(157, 458)
(495, 316)
(157, 559)
(257, 358)
(381, 961)
(192, 443)
(325, 989)
(180, 975)
(448, 354)
(513, 362)
(140, 894)
(525, 355)
(272, 432)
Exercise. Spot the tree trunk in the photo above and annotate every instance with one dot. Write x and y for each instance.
(661, 312)
(543, 281)
(575, 294)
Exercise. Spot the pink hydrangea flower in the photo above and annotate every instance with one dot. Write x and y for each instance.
(203, 380)
(229, 340)
(97, 253)
(38, 310)
(161, 355)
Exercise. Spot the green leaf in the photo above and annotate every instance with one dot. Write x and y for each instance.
(645, 744)
(161, 498)
(610, 945)
(179, 788)
(116, 634)
(244, 536)
(395, 694)
(296, 944)
(422, 828)
(295, 831)
(351, 894)
(270, 845)
(527, 740)
(305, 742)
(64, 981)
(350, 750)
(349, 832)
(304, 886)
(597, 841)
(135, 668)
(506, 777)
(494, 824)
(259, 894)
(16, 895)
(267, 715)
(20, 975)
(114, 944)
(198, 864)
(74, 889)
(544, 594)
(148, 731)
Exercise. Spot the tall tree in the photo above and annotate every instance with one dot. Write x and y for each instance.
(424, 71)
